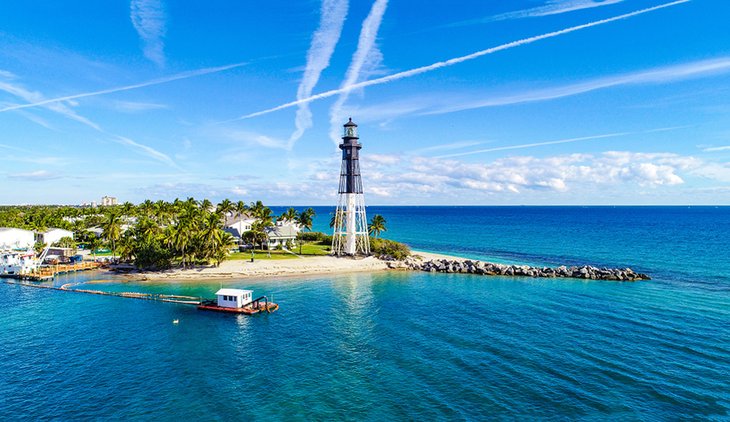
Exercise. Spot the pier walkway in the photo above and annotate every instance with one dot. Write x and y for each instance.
(185, 300)
(48, 272)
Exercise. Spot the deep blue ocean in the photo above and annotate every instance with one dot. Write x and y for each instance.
(406, 346)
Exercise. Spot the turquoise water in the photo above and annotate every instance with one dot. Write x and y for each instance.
(406, 345)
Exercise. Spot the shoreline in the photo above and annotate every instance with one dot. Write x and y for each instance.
(313, 265)
(331, 265)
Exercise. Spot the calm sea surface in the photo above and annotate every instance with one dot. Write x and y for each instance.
(406, 345)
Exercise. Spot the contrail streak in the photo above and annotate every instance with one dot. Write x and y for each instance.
(323, 44)
(561, 141)
(365, 48)
(183, 75)
(451, 62)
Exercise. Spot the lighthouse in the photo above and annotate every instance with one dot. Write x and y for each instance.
(350, 222)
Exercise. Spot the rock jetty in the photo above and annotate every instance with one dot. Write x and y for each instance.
(487, 268)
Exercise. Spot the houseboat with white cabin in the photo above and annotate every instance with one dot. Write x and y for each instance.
(238, 301)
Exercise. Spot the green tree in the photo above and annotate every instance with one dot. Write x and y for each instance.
(377, 225)
(305, 219)
(289, 215)
(225, 207)
(66, 242)
(112, 230)
(241, 208)
(94, 245)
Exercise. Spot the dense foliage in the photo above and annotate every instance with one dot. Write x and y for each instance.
(389, 248)
(153, 235)
(158, 235)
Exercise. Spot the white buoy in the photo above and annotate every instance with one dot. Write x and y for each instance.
(175, 321)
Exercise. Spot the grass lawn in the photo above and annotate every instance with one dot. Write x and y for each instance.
(308, 249)
(258, 254)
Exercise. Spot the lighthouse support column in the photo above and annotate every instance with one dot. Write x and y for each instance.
(351, 219)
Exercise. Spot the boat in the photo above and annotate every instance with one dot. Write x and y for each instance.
(237, 301)
(18, 263)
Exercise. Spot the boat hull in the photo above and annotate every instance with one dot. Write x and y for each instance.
(246, 311)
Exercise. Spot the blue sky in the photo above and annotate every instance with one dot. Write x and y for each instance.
(472, 102)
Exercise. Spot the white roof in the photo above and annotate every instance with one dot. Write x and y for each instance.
(232, 292)
(55, 229)
(9, 229)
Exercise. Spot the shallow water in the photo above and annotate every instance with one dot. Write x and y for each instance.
(404, 345)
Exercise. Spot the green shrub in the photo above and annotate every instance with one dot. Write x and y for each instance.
(152, 255)
(385, 247)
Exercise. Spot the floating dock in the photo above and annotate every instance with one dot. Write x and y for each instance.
(252, 308)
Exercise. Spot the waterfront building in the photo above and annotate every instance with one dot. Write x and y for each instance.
(52, 235)
(13, 238)
(238, 224)
(351, 228)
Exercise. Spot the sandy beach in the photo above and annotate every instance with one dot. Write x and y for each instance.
(274, 268)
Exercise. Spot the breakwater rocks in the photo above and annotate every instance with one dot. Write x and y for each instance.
(486, 268)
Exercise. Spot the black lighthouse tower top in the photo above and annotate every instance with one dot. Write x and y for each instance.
(350, 180)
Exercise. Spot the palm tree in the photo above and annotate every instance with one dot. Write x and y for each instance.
(377, 225)
(206, 205)
(147, 208)
(225, 206)
(94, 244)
(112, 230)
(240, 208)
(128, 209)
(289, 215)
(225, 241)
(304, 219)
(258, 232)
(211, 236)
(181, 237)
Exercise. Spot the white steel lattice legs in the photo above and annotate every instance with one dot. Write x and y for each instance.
(351, 226)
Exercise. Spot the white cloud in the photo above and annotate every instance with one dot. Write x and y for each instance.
(383, 159)
(136, 107)
(552, 7)
(62, 108)
(715, 149)
(560, 141)
(366, 57)
(653, 76)
(597, 172)
(146, 150)
(21, 92)
(457, 60)
(237, 190)
(178, 76)
(34, 176)
(324, 40)
(6, 74)
(148, 18)
(250, 137)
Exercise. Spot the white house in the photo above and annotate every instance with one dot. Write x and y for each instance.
(52, 235)
(238, 225)
(233, 298)
(280, 235)
(12, 238)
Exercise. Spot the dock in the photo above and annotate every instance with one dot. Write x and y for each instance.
(49, 272)
(252, 308)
